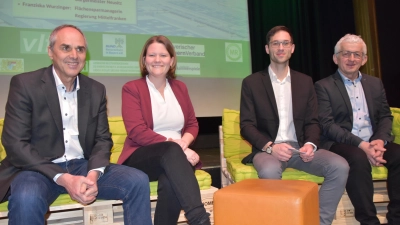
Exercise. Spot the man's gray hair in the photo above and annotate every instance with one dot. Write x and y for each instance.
(351, 38)
(53, 35)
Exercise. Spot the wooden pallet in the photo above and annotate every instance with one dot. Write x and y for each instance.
(106, 212)
(345, 210)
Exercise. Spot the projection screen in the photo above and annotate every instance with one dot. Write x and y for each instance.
(211, 38)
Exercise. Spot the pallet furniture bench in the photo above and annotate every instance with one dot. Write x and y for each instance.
(66, 211)
(233, 148)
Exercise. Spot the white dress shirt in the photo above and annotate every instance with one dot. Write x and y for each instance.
(168, 119)
(69, 114)
(283, 98)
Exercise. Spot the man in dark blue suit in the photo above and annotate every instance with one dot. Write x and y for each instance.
(279, 117)
(356, 124)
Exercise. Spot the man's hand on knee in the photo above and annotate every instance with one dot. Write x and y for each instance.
(374, 157)
(92, 190)
(77, 187)
(281, 152)
(307, 154)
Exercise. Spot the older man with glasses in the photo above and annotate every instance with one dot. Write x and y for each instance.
(356, 124)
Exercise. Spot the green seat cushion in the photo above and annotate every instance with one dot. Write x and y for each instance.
(234, 144)
(118, 135)
(203, 178)
(379, 173)
(2, 151)
(396, 124)
(236, 148)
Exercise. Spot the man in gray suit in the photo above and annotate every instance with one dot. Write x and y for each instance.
(279, 117)
(356, 124)
(57, 140)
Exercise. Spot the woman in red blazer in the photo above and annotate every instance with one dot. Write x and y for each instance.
(160, 122)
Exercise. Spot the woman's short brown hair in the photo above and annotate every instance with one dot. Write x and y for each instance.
(170, 48)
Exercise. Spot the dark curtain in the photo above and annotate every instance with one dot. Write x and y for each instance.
(316, 26)
(388, 35)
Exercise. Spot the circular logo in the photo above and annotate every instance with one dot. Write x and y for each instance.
(233, 51)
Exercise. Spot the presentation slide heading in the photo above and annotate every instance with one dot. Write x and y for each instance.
(210, 37)
(122, 11)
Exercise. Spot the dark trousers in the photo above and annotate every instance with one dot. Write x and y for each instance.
(360, 186)
(177, 185)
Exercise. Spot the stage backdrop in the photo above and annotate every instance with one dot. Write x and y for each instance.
(211, 38)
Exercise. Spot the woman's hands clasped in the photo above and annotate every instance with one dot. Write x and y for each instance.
(191, 155)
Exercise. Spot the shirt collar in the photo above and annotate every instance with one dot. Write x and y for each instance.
(347, 80)
(273, 77)
(148, 81)
(59, 83)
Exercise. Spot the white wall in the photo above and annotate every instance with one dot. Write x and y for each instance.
(209, 95)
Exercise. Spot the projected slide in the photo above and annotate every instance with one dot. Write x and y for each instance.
(211, 37)
(81, 10)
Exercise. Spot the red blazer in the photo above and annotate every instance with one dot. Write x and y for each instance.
(138, 118)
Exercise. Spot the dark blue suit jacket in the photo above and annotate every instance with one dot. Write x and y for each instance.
(33, 131)
(336, 114)
(259, 119)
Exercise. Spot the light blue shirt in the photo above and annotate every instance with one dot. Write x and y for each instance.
(362, 126)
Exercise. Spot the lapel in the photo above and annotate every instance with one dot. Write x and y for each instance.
(342, 90)
(368, 95)
(50, 92)
(269, 90)
(84, 99)
(296, 87)
(177, 94)
(180, 98)
(145, 102)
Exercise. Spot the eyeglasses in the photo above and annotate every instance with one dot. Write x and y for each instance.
(347, 54)
(276, 44)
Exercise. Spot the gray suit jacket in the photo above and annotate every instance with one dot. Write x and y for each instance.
(336, 114)
(259, 119)
(33, 130)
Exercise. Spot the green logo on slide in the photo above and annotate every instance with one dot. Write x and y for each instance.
(34, 42)
(233, 52)
(85, 69)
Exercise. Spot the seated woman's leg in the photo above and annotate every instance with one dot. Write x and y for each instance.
(31, 195)
(169, 159)
(168, 206)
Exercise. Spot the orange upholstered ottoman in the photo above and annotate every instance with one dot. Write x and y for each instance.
(263, 202)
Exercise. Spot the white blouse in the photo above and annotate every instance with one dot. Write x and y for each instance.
(168, 117)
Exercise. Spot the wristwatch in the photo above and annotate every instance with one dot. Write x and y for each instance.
(269, 148)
